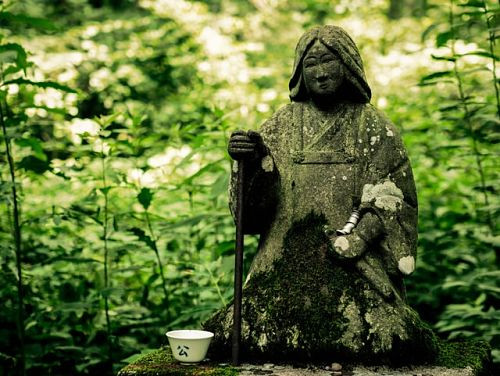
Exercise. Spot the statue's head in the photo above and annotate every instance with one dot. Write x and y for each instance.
(328, 65)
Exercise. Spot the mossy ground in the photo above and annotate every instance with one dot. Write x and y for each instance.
(461, 354)
(162, 363)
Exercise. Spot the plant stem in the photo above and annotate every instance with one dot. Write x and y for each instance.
(158, 259)
(106, 254)
(467, 119)
(17, 242)
(491, 41)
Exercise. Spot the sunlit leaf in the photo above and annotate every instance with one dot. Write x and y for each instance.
(105, 121)
(41, 84)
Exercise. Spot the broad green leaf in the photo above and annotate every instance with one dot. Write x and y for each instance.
(41, 84)
(21, 59)
(446, 58)
(105, 121)
(427, 31)
(39, 23)
(145, 197)
(143, 237)
(105, 190)
(482, 53)
(35, 146)
(472, 3)
(220, 185)
(443, 38)
(36, 165)
(435, 75)
(115, 223)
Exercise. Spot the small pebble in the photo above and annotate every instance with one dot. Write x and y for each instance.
(268, 365)
(337, 373)
(336, 367)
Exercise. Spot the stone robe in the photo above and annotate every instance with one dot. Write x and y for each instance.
(301, 300)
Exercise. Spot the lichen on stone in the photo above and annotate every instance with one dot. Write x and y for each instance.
(406, 264)
(267, 163)
(342, 243)
(384, 195)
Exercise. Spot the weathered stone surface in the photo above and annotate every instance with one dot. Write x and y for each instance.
(310, 294)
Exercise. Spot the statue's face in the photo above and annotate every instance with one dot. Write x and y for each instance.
(323, 71)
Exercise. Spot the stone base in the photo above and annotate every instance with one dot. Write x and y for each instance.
(287, 370)
(454, 359)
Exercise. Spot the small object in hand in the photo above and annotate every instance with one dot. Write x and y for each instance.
(351, 223)
(336, 367)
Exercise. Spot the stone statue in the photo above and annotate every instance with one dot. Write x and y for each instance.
(330, 190)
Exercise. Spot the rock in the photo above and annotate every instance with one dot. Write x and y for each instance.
(336, 367)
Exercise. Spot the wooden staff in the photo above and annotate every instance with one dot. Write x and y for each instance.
(238, 265)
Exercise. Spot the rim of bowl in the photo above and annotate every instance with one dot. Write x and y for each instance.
(189, 334)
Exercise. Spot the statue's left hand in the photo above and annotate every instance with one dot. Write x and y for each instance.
(348, 246)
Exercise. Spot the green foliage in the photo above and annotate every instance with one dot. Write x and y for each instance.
(459, 229)
(116, 114)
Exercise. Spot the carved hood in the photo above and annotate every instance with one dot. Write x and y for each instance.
(339, 42)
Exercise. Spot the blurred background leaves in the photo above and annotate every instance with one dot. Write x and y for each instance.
(116, 115)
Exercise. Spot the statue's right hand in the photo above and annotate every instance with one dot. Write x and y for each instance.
(245, 145)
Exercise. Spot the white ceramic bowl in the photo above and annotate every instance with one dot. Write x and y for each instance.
(189, 346)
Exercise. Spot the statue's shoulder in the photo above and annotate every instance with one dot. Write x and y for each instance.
(376, 121)
(279, 119)
(379, 137)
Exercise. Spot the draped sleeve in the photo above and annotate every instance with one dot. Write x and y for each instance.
(387, 189)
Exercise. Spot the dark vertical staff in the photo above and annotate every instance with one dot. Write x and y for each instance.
(238, 265)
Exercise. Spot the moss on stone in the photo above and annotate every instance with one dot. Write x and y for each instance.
(162, 363)
(461, 354)
(314, 306)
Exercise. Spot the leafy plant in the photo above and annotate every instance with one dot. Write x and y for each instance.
(464, 238)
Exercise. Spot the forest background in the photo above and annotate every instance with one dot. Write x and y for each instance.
(115, 114)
